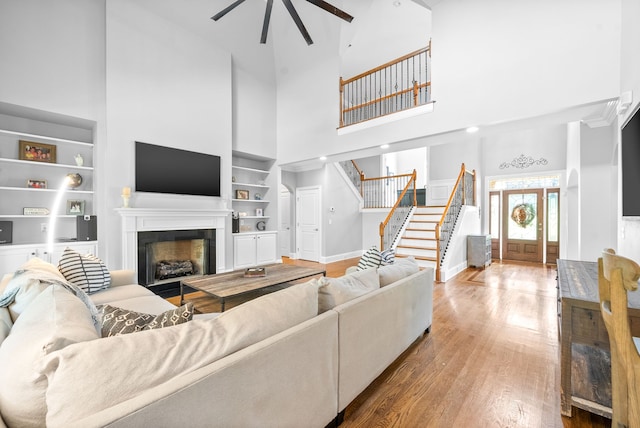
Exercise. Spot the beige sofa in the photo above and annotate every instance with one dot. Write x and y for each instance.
(291, 368)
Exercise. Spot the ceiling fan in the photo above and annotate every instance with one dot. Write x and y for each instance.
(292, 11)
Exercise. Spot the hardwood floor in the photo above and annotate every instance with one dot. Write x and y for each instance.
(490, 360)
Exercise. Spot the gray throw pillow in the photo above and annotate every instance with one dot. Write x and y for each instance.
(117, 321)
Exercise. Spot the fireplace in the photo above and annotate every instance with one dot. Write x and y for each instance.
(165, 256)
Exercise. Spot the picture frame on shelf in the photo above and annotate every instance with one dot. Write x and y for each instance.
(259, 212)
(36, 152)
(36, 184)
(242, 194)
(75, 207)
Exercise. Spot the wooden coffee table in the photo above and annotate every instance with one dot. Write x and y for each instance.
(229, 284)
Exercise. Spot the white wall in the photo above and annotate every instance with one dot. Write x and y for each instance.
(629, 229)
(165, 86)
(491, 63)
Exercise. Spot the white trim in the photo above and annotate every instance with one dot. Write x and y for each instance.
(136, 220)
(344, 175)
(340, 257)
(404, 114)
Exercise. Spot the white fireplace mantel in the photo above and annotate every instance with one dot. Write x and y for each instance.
(136, 220)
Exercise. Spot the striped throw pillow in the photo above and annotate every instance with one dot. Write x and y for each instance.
(388, 256)
(84, 270)
(371, 258)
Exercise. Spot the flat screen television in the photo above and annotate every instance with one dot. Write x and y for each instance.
(630, 144)
(162, 169)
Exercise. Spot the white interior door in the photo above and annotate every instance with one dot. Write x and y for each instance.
(284, 214)
(308, 223)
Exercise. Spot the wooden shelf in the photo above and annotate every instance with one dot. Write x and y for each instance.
(251, 200)
(46, 164)
(44, 137)
(27, 189)
(261, 186)
(242, 168)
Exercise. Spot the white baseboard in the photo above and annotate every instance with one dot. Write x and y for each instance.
(447, 274)
(340, 257)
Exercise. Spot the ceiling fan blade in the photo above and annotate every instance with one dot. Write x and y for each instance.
(298, 21)
(265, 25)
(226, 10)
(332, 9)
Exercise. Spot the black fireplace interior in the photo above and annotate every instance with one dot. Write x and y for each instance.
(157, 262)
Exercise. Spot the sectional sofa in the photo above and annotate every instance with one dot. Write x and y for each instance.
(272, 362)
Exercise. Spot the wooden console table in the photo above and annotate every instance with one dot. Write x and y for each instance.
(585, 361)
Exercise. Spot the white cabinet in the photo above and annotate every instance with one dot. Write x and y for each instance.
(478, 250)
(13, 256)
(252, 249)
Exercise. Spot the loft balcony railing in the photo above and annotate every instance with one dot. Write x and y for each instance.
(392, 87)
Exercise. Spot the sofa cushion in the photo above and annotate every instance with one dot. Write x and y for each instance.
(370, 258)
(84, 270)
(54, 319)
(336, 291)
(122, 292)
(116, 321)
(30, 280)
(400, 269)
(5, 324)
(168, 352)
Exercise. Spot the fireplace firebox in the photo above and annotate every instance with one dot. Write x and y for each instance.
(165, 256)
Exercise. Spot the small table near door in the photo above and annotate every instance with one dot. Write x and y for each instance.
(229, 284)
(584, 342)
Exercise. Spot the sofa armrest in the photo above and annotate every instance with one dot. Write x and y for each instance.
(123, 277)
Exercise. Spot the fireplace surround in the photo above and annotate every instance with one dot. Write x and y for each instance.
(136, 220)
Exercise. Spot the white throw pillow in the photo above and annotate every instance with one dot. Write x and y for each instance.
(102, 373)
(336, 291)
(395, 272)
(53, 320)
(31, 278)
(84, 270)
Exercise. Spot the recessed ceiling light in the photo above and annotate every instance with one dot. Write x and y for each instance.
(323, 158)
(384, 146)
(472, 129)
(397, 3)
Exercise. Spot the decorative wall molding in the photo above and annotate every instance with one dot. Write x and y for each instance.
(523, 161)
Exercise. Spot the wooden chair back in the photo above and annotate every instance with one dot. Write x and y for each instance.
(616, 276)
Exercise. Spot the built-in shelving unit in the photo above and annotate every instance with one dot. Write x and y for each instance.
(255, 239)
(69, 142)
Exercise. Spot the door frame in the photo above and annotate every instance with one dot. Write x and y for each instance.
(540, 227)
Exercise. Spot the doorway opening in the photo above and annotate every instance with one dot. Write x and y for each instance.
(524, 218)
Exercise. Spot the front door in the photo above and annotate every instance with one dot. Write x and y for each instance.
(522, 225)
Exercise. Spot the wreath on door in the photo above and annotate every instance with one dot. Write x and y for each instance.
(523, 214)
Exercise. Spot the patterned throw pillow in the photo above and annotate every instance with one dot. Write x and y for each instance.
(371, 258)
(388, 257)
(117, 321)
(84, 270)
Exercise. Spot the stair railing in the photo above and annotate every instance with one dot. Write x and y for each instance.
(392, 87)
(354, 173)
(463, 193)
(383, 192)
(391, 226)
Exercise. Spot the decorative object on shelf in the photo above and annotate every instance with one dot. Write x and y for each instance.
(259, 212)
(75, 207)
(257, 197)
(37, 152)
(523, 214)
(35, 211)
(126, 194)
(242, 194)
(74, 180)
(245, 228)
(235, 223)
(261, 225)
(242, 214)
(79, 159)
(233, 178)
(36, 184)
(523, 161)
(6, 232)
(255, 272)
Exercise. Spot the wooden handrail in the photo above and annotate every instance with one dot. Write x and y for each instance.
(391, 212)
(388, 177)
(383, 66)
(414, 89)
(461, 175)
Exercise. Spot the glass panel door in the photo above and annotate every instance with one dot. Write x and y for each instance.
(522, 225)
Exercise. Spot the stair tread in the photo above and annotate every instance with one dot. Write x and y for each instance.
(413, 247)
(430, 259)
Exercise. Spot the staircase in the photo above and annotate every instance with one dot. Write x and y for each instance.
(419, 238)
